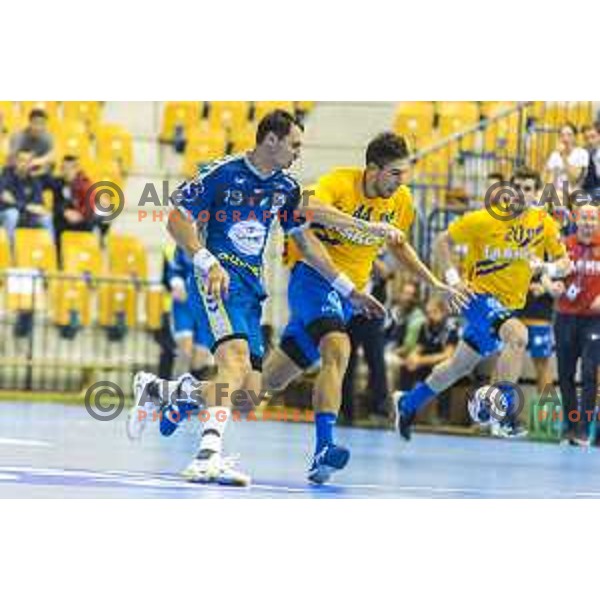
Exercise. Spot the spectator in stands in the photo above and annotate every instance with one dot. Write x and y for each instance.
(21, 197)
(577, 326)
(566, 166)
(73, 209)
(35, 139)
(591, 182)
(436, 342)
(407, 318)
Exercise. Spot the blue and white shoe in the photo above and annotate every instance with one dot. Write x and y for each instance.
(146, 399)
(404, 421)
(329, 460)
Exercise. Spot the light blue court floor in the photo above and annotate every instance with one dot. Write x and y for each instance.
(55, 451)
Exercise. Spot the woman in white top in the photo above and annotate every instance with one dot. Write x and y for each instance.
(566, 166)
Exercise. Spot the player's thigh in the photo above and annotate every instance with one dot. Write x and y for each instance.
(334, 347)
(279, 371)
(185, 343)
(514, 334)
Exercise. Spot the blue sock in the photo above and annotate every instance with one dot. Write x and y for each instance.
(417, 398)
(324, 423)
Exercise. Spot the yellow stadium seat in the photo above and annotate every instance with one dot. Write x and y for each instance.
(24, 291)
(492, 108)
(117, 304)
(304, 105)
(104, 171)
(9, 117)
(86, 112)
(553, 115)
(115, 144)
(464, 112)
(34, 249)
(5, 255)
(69, 296)
(230, 115)
(203, 145)
(179, 114)
(580, 113)
(81, 253)
(72, 139)
(127, 256)
(154, 307)
(244, 138)
(263, 107)
(424, 109)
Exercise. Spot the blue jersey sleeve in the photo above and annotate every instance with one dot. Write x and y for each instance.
(200, 193)
(288, 214)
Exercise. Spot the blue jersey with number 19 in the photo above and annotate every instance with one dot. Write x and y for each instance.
(235, 204)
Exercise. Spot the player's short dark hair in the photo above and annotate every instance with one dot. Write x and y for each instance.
(279, 122)
(527, 173)
(70, 158)
(37, 113)
(496, 175)
(386, 148)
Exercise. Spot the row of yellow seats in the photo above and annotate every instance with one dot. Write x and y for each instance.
(228, 115)
(81, 253)
(14, 115)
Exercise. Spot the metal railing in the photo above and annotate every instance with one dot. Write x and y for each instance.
(60, 332)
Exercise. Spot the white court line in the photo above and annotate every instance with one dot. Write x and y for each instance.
(24, 442)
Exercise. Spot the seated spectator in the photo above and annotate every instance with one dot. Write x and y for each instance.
(36, 140)
(407, 318)
(21, 200)
(567, 165)
(73, 210)
(436, 342)
(591, 182)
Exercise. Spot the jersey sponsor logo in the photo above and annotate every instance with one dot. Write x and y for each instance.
(248, 237)
(235, 260)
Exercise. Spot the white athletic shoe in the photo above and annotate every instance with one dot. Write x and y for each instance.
(146, 399)
(215, 469)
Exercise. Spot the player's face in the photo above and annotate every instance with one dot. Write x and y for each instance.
(527, 186)
(588, 221)
(434, 313)
(287, 150)
(389, 178)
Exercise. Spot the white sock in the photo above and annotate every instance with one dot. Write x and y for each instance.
(214, 428)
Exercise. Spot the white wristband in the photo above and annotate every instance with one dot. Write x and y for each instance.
(452, 277)
(203, 261)
(343, 285)
(551, 270)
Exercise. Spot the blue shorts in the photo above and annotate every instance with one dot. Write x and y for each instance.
(541, 341)
(315, 310)
(184, 324)
(238, 316)
(483, 317)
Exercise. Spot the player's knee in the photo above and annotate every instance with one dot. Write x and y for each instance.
(335, 350)
(514, 334)
(234, 357)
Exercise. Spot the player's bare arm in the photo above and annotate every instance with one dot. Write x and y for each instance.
(315, 254)
(405, 253)
(206, 266)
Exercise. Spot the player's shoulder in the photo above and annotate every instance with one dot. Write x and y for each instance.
(344, 175)
(221, 166)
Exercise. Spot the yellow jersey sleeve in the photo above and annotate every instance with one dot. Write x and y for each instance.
(553, 245)
(467, 228)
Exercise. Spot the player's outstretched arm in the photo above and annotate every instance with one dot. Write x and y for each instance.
(214, 278)
(406, 254)
(315, 254)
(327, 215)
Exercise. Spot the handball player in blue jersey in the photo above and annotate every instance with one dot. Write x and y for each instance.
(235, 200)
